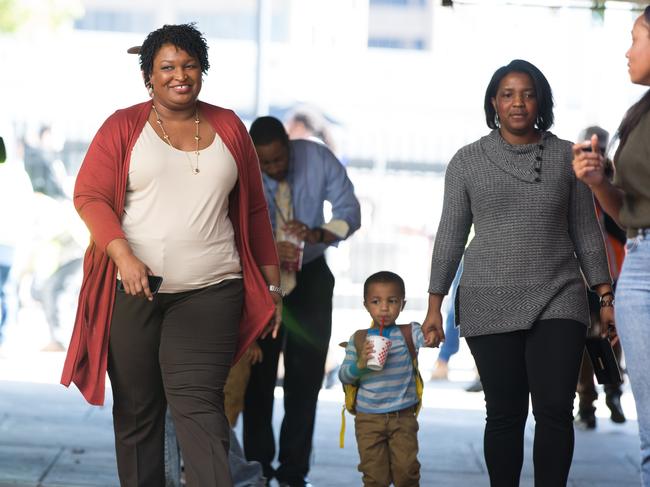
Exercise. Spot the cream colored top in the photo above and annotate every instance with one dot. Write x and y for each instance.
(177, 222)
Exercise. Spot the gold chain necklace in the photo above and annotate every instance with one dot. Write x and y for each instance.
(197, 122)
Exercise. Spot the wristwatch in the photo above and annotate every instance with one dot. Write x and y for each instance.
(276, 289)
(321, 234)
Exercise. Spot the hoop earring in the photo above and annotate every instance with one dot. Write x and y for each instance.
(150, 90)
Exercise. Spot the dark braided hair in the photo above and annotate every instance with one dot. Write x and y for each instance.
(636, 112)
(184, 36)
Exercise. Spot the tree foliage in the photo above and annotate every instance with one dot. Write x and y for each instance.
(16, 15)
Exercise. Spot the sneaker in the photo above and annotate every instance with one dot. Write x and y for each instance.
(440, 371)
(613, 402)
(53, 346)
(475, 386)
(585, 419)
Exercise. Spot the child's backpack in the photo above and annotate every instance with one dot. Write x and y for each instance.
(351, 390)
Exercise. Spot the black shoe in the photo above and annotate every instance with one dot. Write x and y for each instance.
(585, 419)
(300, 483)
(613, 402)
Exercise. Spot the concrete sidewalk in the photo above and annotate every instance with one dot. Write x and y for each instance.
(50, 437)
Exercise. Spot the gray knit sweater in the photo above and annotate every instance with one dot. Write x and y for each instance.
(535, 230)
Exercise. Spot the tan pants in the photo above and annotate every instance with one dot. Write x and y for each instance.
(388, 448)
(235, 389)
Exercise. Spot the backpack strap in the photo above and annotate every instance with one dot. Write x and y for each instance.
(407, 333)
(350, 390)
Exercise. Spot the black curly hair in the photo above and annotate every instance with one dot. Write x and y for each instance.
(384, 277)
(184, 36)
(266, 130)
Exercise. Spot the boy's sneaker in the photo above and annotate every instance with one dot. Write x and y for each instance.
(586, 419)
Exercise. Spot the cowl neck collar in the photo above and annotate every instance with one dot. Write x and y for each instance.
(518, 160)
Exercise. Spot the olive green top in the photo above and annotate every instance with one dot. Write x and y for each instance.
(633, 177)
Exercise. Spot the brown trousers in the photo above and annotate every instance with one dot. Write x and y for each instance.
(388, 448)
(174, 351)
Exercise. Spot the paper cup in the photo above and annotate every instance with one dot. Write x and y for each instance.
(378, 358)
(294, 265)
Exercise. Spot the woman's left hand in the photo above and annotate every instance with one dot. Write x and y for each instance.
(588, 162)
(608, 324)
(274, 325)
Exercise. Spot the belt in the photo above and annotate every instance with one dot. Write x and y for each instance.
(409, 411)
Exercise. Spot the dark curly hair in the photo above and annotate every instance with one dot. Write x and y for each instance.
(542, 92)
(384, 277)
(184, 36)
(266, 130)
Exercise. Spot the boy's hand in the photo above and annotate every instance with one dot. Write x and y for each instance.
(364, 354)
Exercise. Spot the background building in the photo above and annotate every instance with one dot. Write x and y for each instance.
(401, 80)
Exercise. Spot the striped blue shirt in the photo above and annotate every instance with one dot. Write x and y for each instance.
(393, 387)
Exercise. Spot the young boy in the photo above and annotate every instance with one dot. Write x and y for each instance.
(385, 424)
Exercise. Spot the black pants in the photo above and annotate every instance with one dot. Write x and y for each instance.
(304, 338)
(543, 362)
(176, 350)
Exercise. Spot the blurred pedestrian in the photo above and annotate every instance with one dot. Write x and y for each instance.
(299, 176)
(627, 200)
(521, 299)
(15, 203)
(307, 122)
(615, 246)
(451, 345)
(171, 188)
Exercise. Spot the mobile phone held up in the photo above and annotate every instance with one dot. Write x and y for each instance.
(154, 284)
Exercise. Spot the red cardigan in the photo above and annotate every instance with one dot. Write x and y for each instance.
(99, 198)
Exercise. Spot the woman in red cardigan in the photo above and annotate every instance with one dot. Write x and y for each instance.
(171, 188)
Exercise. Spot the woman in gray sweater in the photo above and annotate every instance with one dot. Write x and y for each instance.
(521, 302)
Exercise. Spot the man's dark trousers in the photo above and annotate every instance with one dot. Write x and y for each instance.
(304, 339)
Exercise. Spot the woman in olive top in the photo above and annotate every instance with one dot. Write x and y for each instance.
(628, 201)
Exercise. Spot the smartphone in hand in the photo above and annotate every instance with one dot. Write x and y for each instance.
(154, 284)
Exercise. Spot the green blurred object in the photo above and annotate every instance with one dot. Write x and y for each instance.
(3, 152)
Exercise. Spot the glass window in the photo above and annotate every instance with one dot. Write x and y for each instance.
(235, 25)
(394, 43)
(116, 21)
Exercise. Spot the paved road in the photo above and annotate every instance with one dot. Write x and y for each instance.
(49, 437)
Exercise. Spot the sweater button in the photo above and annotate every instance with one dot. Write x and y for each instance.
(538, 179)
